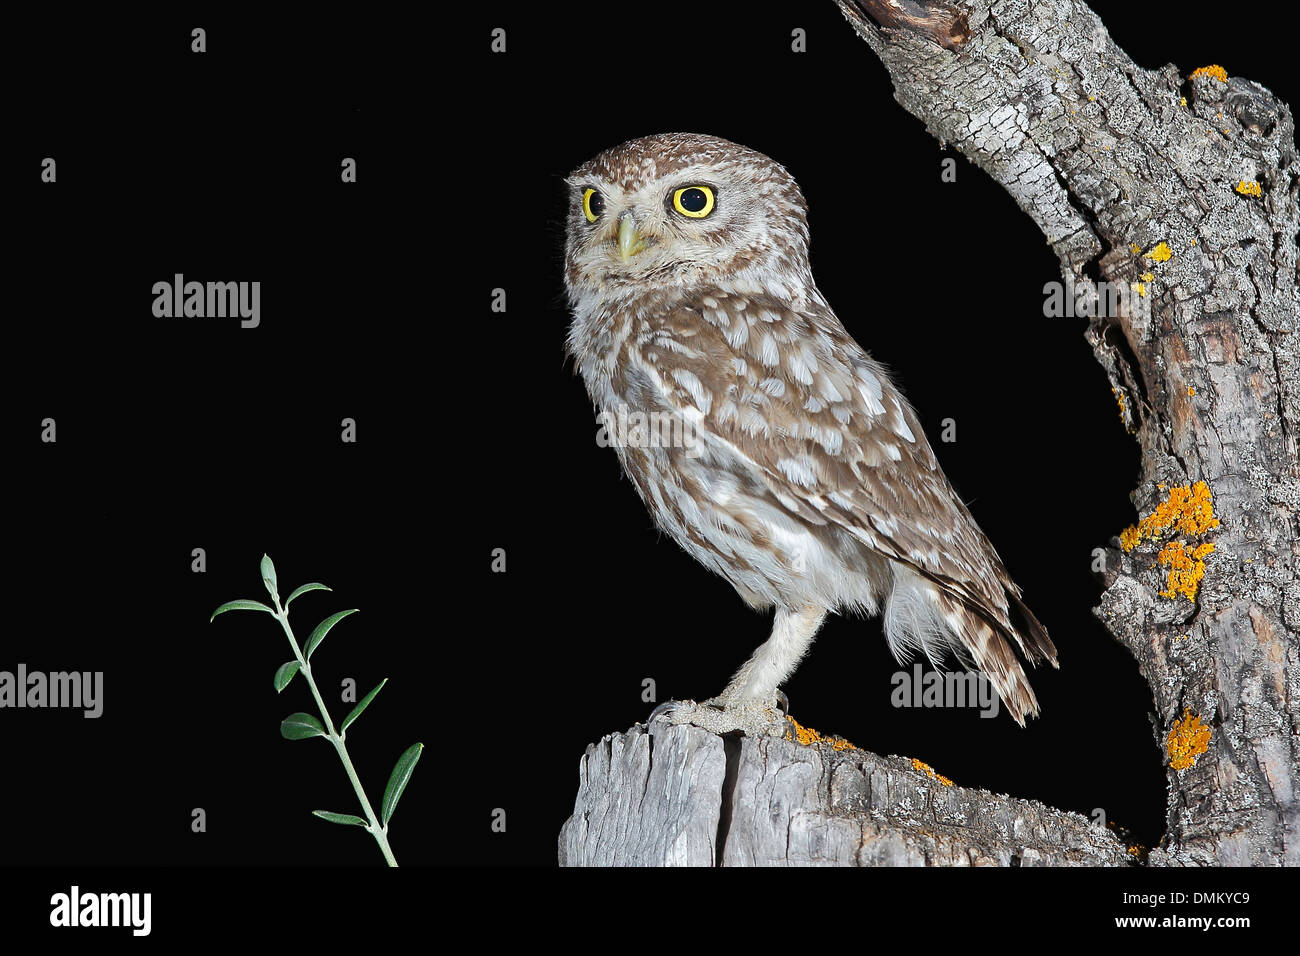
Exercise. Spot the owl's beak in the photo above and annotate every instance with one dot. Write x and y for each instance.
(630, 240)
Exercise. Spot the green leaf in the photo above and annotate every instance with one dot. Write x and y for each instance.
(397, 781)
(268, 576)
(303, 590)
(340, 818)
(365, 702)
(323, 628)
(243, 604)
(300, 727)
(285, 674)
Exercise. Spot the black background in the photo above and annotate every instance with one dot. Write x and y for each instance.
(474, 434)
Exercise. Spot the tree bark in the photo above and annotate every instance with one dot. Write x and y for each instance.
(681, 796)
(1111, 161)
(1179, 191)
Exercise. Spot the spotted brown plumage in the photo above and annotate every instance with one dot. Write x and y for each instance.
(799, 472)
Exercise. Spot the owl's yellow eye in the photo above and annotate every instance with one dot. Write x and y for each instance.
(593, 204)
(694, 202)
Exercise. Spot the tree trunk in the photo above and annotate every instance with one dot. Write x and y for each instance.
(681, 796)
(1175, 196)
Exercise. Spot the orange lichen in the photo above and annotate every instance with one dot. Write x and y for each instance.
(925, 768)
(1135, 248)
(1188, 511)
(1187, 740)
(1125, 836)
(1161, 253)
(1214, 71)
(1191, 392)
(1186, 568)
(1140, 288)
(1248, 188)
(1123, 411)
(807, 736)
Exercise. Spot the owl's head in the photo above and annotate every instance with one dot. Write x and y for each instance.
(681, 209)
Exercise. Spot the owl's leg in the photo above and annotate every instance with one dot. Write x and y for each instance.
(776, 658)
(749, 702)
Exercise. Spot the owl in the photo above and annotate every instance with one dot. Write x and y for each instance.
(761, 437)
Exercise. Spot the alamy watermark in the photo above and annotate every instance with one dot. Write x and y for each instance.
(181, 299)
(626, 428)
(917, 688)
(76, 908)
(1083, 298)
(78, 690)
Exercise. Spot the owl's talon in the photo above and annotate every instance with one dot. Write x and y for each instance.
(667, 707)
(753, 719)
(784, 701)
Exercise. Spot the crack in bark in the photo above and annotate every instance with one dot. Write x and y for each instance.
(731, 747)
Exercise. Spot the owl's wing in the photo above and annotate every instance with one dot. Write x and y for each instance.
(836, 442)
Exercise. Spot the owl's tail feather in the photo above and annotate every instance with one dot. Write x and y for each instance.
(919, 615)
(1034, 644)
(991, 653)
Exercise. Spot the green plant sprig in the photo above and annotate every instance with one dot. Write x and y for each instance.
(301, 726)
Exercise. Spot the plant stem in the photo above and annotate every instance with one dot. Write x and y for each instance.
(379, 833)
